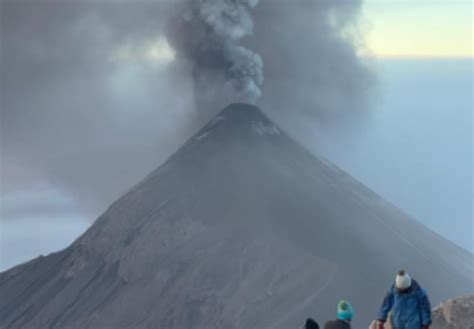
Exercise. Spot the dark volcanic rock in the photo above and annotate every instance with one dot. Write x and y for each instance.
(241, 228)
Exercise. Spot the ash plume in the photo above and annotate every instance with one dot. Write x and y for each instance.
(97, 94)
(208, 35)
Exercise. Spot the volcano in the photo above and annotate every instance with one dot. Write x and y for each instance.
(242, 228)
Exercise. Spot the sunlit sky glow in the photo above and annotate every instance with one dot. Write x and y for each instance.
(158, 51)
(391, 29)
(419, 28)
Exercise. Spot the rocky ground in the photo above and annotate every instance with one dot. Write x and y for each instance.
(457, 313)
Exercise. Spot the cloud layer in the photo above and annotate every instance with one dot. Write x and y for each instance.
(97, 94)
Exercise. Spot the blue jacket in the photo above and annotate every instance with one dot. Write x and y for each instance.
(410, 309)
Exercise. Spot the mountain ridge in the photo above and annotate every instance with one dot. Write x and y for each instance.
(240, 228)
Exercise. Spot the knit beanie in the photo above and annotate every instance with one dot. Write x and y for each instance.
(402, 281)
(345, 311)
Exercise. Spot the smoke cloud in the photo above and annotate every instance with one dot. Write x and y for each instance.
(208, 33)
(94, 95)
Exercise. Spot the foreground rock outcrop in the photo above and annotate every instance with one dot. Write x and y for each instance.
(457, 313)
(242, 228)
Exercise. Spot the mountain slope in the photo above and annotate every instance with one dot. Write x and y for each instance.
(240, 228)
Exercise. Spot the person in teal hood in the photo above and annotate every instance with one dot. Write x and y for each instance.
(408, 303)
(345, 312)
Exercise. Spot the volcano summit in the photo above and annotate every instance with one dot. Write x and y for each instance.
(242, 228)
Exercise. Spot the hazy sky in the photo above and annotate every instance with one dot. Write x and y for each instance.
(419, 28)
(415, 149)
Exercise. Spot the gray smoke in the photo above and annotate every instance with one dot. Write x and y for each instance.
(316, 86)
(208, 34)
(96, 94)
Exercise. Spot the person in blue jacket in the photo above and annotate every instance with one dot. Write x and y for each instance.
(407, 303)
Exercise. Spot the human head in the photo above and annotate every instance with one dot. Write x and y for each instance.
(402, 281)
(311, 324)
(345, 311)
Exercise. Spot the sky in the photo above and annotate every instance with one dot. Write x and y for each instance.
(420, 145)
(419, 28)
(413, 148)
